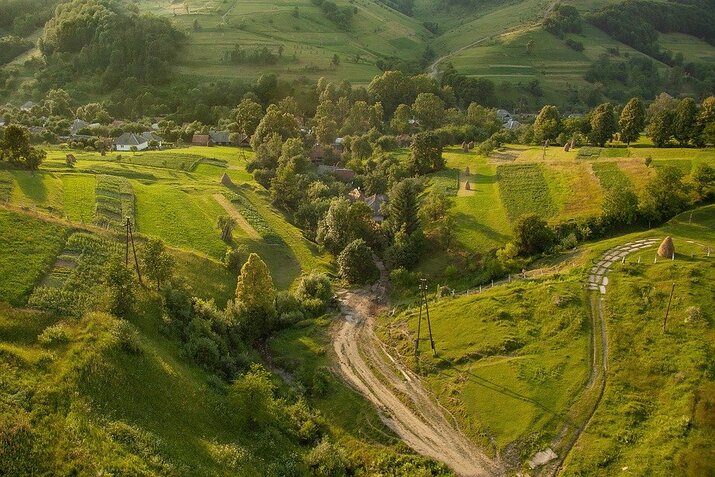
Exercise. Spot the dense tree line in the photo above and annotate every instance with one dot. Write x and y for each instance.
(255, 56)
(637, 22)
(341, 16)
(22, 17)
(563, 19)
(110, 41)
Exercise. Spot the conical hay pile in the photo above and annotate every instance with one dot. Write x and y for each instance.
(666, 249)
(225, 180)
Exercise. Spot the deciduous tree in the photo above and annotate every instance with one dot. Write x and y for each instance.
(632, 120)
(603, 124)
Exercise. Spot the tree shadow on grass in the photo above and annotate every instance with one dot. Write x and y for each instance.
(32, 185)
(483, 382)
(468, 222)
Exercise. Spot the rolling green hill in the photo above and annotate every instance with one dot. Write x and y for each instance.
(525, 345)
(503, 41)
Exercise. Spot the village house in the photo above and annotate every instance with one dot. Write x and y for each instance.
(220, 138)
(76, 126)
(129, 140)
(341, 173)
(27, 106)
(202, 140)
(375, 202)
(244, 140)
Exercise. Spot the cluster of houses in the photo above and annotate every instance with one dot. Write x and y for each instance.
(507, 121)
(141, 141)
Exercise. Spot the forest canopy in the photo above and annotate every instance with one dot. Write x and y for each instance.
(109, 40)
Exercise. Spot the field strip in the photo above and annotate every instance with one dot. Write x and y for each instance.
(236, 215)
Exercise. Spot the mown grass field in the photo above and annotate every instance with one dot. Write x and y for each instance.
(309, 40)
(656, 417)
(169, 200)
(29, 247)
(511, 361)
(524, 346)
(559, 186)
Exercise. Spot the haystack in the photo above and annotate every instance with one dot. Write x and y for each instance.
(470, 146)
(467, 172)
(667, 249)
(567, 147)
(464, 146)
(225, 180)
(467, 186)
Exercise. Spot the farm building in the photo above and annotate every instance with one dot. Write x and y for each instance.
(126, 141)
(244, 140)
(375, 202)
(341, 173)
(202, 140)
(512, 124)
(503, 115)
(220, 138)
(27, 106)
(152, 136)
(2, 121)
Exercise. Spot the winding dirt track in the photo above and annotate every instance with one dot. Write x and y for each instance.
(402, 401)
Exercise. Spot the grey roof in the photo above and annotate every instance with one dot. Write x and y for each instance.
(375, 202)
(219, 136)
(512, 124)
(28, 105)
(2, 120)
(129, 139)
(76, 125)
(151, 136)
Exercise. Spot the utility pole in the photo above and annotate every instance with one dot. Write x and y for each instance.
(130, 238)
(667, 310)
(423, 302)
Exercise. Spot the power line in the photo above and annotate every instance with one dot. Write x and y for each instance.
(425, 304)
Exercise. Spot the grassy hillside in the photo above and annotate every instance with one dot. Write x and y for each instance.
(172, 195)
(526, 346)
(559, 186)
(308, 40)
(484, 39)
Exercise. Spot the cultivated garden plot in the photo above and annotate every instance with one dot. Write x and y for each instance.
(523, 189)
(75, 283)
(114, 202)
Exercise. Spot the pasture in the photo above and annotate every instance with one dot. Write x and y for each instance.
(524, 346)
(563, 186)
(296, 32)
(29, 247)
(666, 433)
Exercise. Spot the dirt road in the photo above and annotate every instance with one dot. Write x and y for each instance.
(401, 399)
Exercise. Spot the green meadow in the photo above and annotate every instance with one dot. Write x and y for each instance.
(559, 186)
(526, 347)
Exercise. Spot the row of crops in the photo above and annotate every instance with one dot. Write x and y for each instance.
(114, 201)
(74, 285)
